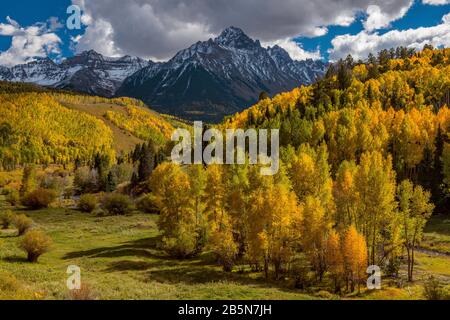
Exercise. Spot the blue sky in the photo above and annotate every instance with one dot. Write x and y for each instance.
(419, 15)
(147, 28)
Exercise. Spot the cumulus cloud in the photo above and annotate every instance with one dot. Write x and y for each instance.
(159, 28)
(363, 43)
(98, 36)
(295, 49)
(27, 42)
(378, 19)
(436, 2)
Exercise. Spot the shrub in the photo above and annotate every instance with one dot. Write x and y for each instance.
(122, 172)
(146, 204)
(13, 197)
(117, 204)
(323, 294)
(9, 283)
(87, 203)
(6, 219)
(181, 246)
(446, 292)
(435, 290)
(39, 199)
(12, 289)
(22, 223)
(55, 182)
(35, 243)
(84, 293)
(99, 212)
(86, 180)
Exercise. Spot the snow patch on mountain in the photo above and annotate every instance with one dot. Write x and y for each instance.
(102, 75)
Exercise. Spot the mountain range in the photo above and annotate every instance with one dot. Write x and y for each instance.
(88, 72)
(207, 81)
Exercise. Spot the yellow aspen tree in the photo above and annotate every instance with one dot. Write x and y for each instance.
(414, 209)
(375, 182)
(354, 251)
(170, 191)
(314, 229)
(220, 225)
(310, 176)
(215, 193)
(271, 237)
(334, 259)
(222, 242)
(346, 195)
(238, 195)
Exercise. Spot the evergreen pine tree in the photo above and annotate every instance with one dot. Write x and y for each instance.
(146, 162)
(111, 182)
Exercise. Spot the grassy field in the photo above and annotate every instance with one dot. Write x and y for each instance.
(119, 258)
(437, 235)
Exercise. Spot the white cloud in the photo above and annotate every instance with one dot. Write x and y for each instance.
(98, 37)
(378, 19)
(27, 42)
(363, 43)
(160, 28)
(436, 2)
(294, 49)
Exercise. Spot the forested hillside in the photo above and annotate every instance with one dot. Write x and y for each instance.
(54, 127)
(395, 104)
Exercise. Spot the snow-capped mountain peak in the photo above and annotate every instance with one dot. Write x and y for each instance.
(279, 55)
(233, 37)
(218, 77)
(88, 72)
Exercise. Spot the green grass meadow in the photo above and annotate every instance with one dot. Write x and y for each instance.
(120, 258)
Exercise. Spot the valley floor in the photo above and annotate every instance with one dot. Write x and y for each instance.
(120, 259)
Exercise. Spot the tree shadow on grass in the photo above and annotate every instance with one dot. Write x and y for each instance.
(15, 259)
(196, 271)
(143, 248)
(159, 261)
(144, 255)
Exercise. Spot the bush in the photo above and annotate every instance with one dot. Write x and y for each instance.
(99, 212)
(22, 223)
(9, 283)
(86, 180)
(323, 294)
(35, 243)
(84, 293)
(12, 197)
(55, 182)
(117, 204)
(39, 199)
(146, 204)
(87, 203)
(12, 289)
(122, 172)
(181, 246)
(6, 219)
(433, 289)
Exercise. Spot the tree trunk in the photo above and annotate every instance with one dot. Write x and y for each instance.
(409, 263)
(412, 264)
